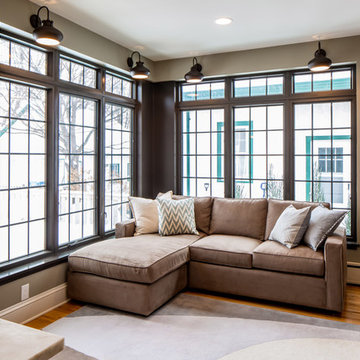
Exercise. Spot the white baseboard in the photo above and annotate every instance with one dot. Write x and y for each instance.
(36, 306)
(353, 273)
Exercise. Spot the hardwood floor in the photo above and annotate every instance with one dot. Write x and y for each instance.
(350, 314)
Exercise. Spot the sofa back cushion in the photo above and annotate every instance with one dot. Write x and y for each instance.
(202, 207)
(245, 217)
(276, 207)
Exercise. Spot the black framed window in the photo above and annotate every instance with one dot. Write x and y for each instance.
(22, 170)
(258, 151)
(77, 73)
(203, 91)
(21, 56)
(52, 152)
(322, 133)
(288, 135)
(118, 163)
(77, 168)
(117, 85)
(203, 152)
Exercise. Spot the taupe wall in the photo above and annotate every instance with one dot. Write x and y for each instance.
(16, 13)
(41, 281)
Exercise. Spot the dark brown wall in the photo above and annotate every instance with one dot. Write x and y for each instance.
(156, 138)
(163, 136)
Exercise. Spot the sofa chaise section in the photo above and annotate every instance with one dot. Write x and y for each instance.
(136, 274)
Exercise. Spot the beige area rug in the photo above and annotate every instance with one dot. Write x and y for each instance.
(300, 349)
(196, 327)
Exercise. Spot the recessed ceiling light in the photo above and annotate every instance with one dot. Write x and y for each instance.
(223, 21)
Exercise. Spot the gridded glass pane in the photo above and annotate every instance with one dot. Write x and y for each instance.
(322, 115)
(242, 167)
(64, 69)
(18, 240)
(117, 85)
(241, 88)
(188, 92)
(275, 85)
(258, 140)
(19, 56)
(242, 118)
(4, 99)
(303, 142)
(189, 121)
(118, 164)
(22, 56)
(4, 51)
(77, 73)
(258, 167)
(242, 189)
(18, 206)
(36, 236)
(19, 135)
(341, 80)
(275, 142)
(217, 90)
(258, 87)
(302, 83)
(275, 117)
(203, 120)
(258, 157)
(303, 168)
(275, 167)
(322, 81)
(202, 152)
(77, 167)
(275, 189)
(341, 112)
(258, 118)
(89, 223)
(4, 138)
(37, 203)
(37, 104)
(4, 173)
(302, 191)
(38, 61)
(303, 116)
(19, 107)
(4, 208)
(258, 188)
(4, 248)
(18, 171)
(203, 91)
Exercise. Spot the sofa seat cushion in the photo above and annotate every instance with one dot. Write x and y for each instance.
(271, 255)
(228, 250)
(143, 258)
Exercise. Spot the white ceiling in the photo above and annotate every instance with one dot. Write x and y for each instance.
(167, 29)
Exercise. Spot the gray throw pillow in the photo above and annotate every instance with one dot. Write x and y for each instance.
(323, 223)
(291, 226)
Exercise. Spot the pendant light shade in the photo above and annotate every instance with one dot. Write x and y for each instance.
(320, 62)
(194, 75)
(139, 71)
(45, 33)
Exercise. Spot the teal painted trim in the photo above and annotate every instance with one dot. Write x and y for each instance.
(219, 128)
(308, 157)
(188, 150)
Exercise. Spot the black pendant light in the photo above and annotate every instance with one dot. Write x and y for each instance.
(45, 33)
(194, 75)
(139, 71)
(320, 62)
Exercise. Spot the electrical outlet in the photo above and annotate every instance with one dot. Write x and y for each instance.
(25, 292)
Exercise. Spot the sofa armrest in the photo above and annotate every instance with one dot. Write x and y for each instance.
(125, 228)
(335, 269)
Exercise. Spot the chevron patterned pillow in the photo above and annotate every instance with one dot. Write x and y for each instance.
(176, 217)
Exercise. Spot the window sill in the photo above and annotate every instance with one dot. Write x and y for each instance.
(42, 261)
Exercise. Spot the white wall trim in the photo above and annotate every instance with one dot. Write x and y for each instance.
(353, 273)
(36, 306)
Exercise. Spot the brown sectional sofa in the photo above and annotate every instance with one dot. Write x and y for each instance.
(230, 255)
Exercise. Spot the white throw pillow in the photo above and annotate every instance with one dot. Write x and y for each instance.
(145, 213)
(291, 226)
